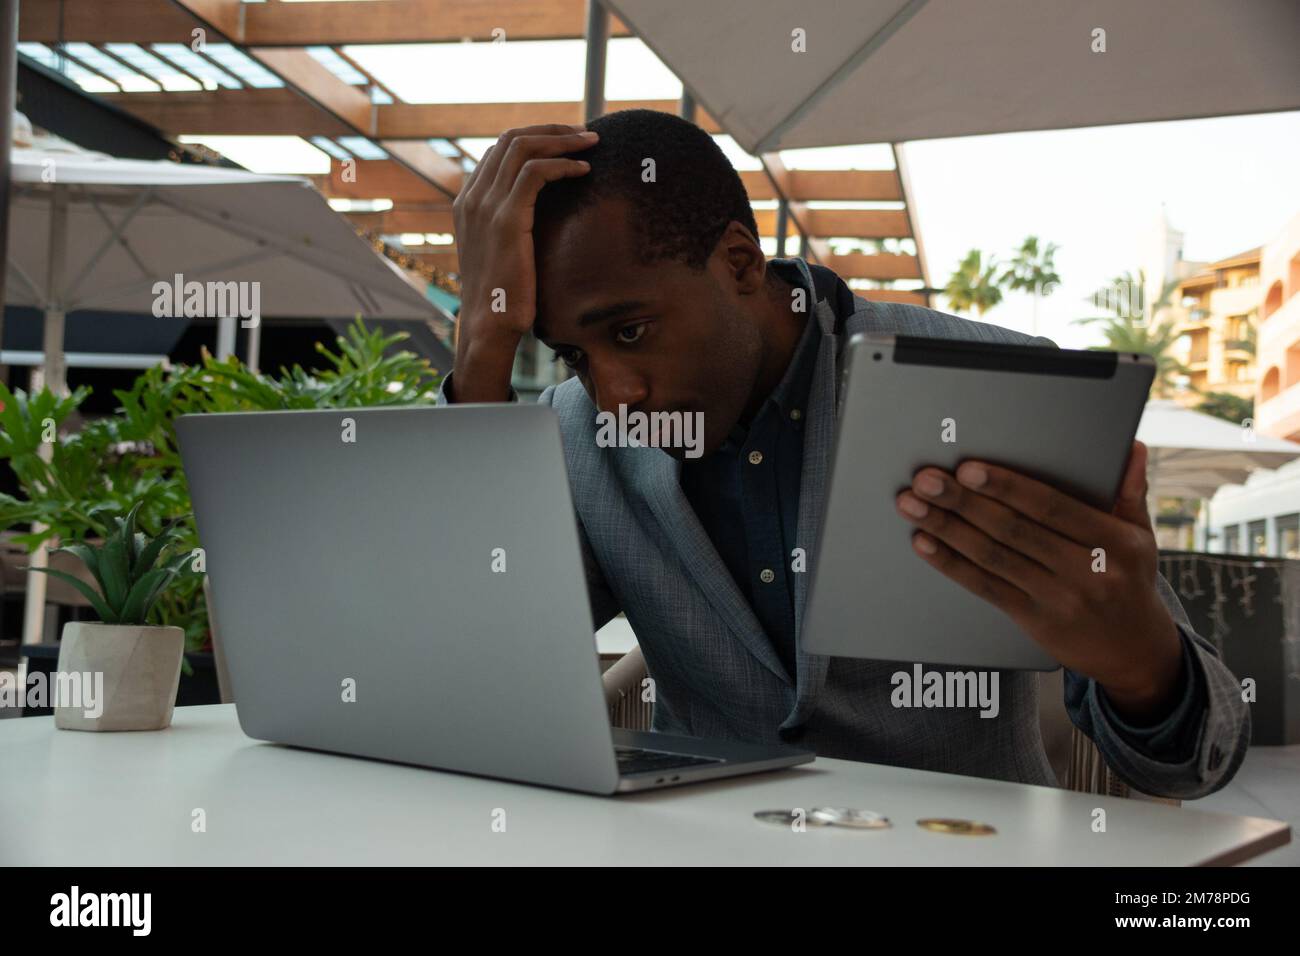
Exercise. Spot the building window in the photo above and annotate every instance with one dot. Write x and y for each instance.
(1288, 536)
(1257, 537)
(1230, 539)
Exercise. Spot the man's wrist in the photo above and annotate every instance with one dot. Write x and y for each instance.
(1155, 694)
(484, 363)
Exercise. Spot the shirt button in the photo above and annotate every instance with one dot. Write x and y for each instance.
(767, 576)
(755, 457)
(795, 414)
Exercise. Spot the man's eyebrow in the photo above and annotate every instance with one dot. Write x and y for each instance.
(593, 316)
(607, 312)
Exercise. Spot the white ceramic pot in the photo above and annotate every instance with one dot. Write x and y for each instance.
(141, 668)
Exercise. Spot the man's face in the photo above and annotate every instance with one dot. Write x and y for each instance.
(656, 338)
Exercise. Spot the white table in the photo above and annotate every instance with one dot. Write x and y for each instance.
(77, 798)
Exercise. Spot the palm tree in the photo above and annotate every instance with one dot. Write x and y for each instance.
(973, 285)
(1127, 329)
(1032, 271)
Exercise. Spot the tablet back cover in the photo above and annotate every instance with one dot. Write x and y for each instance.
(1067, 418)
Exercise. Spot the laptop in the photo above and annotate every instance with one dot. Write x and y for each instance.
(1065, 417)
(406, 584)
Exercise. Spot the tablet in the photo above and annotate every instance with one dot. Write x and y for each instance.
(1065, 417)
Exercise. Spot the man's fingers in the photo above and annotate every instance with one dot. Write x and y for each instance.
(980, 549)
(1001, 522)
(525, 149)
(1131, 503)
(484, 174)
(1054, 509)
(536, 173)
(1008, 598)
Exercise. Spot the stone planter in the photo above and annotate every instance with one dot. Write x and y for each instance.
(141, 668)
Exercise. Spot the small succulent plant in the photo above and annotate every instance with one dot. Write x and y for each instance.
(124, 569)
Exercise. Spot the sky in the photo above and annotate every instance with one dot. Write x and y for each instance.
(1228, 184)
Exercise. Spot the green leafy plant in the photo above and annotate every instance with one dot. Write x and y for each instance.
(126, 569)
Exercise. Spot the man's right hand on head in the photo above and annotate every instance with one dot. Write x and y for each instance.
(493, 217)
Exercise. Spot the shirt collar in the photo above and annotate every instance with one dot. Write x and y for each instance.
(791, 392)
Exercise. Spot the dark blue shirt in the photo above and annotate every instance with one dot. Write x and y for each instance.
(746, 494)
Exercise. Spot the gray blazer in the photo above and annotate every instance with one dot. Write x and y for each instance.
(717, 675)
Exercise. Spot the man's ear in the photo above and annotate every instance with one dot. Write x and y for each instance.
(743, 258)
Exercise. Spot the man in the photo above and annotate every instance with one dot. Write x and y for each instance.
(631, 250)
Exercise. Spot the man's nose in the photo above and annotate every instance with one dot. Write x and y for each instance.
(617, 385)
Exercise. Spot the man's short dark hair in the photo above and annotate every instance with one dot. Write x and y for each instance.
(683, 212)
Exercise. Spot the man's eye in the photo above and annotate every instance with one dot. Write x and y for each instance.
(570, 357)
(635, 333)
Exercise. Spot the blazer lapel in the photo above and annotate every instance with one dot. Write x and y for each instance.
(656, 477)
(819, 438)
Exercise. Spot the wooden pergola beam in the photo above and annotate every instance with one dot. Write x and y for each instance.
(132, 21)
(307, 24)
(856, 223)
(287, 113)
(456, 120)
(308, 76)
(377, 179)
(416, 21)
(245, 112)
(406, 218)
(830, 185)
(445, 173)
(224, 15)
(879, 267)
(905, 296)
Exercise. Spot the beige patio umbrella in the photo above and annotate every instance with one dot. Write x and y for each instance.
(781, 75)
(1193, 455)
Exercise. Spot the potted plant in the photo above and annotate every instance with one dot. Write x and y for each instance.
(140, 663)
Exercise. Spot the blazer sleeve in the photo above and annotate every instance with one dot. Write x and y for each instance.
(1204, 740)
(604, 605)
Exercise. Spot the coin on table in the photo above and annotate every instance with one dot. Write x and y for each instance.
(848, 817)
(959, 827)
(788, 818)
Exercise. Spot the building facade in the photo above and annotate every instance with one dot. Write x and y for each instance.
(1216, 310)
(1262, 517)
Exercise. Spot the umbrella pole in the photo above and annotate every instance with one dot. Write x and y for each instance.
(56, 372)
(254, 346)
(55, 377)
(8, 101)
(225, 337)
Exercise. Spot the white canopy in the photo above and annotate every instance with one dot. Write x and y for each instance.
(1192, 454)
(887, 71)
(87, 231)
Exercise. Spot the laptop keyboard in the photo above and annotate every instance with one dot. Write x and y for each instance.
(639, 760)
